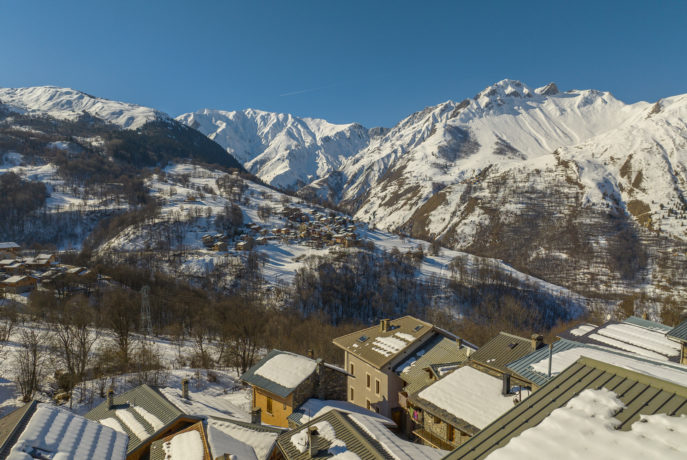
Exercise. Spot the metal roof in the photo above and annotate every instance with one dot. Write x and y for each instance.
(437, 350)
(251, 378)
(640, 394)
(597, 335)
(357, 441)
(363, 343)
(12, 424)
(645, 323)
(679, 332)
(522, 367)
(501, 350)
(142, 396)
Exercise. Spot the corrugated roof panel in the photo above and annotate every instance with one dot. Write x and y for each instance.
(501, 350)
(679, 332)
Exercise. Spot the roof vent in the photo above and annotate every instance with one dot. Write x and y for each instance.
(418, 327)
(363, 338)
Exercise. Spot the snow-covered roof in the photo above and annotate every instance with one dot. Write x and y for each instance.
(591, 410)
(8, 245)
(240, 439)
(280, 372)
(469, 395)
(379, 345)
(398, 448)
(14, 279)
(663, 370)
(313, 408)
(648, 342)
(340, 436)
(585, 428)
(57, 433)
(204, 404)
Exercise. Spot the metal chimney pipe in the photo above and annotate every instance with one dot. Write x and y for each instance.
(505, 391)
(550, 357)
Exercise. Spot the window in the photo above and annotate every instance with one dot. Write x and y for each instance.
(352, 398)
(367, 403)
(437, 420)
(269, 405)
(352, 369)
(369, 380)
(377, 386)
(450, 434)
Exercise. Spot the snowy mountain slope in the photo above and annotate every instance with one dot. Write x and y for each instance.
(507, 123)
(69, 104)
(281, 149)
(585, 183)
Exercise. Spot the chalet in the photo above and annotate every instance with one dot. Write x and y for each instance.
(39, 430)
(18, 283)
(241, 246)
(634, 335)
(607, 402)
(261, 240)
(220, 246)
(144, 415)
(371, 357)
(340, 435)
(679, 334)
(282, 381)
(9, 246)
(456, 407)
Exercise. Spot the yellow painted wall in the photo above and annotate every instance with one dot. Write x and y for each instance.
(281, 407)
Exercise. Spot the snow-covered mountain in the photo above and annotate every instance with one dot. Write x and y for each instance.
(569, 175)
(70, 104)
(281, 149)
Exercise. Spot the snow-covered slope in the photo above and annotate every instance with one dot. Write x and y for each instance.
(69, 104)
(565, 172)
(281, 149)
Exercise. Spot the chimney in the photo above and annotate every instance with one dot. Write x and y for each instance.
(311, 447)
(184, 388)
(550, 357)
(110, 398)
(460, 343)
(384, 325)
(256, 415)
(311, 353)
(505, 391)
(537, 341)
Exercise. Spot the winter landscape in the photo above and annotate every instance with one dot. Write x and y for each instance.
(293, 258)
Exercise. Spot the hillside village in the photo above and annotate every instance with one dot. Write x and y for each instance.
(401, 389)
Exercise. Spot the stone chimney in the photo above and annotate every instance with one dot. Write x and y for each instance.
(505, 391)
(321, 380)
(460, 343)
(256, 415)
(537, 341)
(384, 325)
(110, 398)
(184, 388)
(311, 447)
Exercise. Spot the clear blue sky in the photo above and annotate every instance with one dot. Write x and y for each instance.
(374, 62)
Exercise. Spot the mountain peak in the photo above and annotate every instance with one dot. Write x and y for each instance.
(69, 104)
(548, 90)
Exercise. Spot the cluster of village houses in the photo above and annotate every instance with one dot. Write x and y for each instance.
(406, 389)
(22, 271)
(317, 230)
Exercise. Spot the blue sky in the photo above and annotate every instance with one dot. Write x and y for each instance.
(373, 62)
